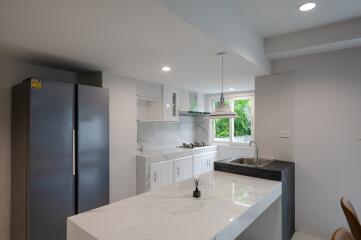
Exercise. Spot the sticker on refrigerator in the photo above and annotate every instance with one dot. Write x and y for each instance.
(35, 84)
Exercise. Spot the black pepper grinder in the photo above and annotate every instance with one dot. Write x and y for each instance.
(196, 192)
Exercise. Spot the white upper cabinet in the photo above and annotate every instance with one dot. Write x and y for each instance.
(182, 169)
(149, 102)
(191, 101)
(170, 104)
(201, 102)
(183, 101)
(149, 91)
(157, 103)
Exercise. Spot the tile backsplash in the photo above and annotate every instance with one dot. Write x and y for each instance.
(162, 135)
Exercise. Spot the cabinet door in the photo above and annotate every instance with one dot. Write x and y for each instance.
(93, 148)
(182, 169)
(149, 90)
(183, 101)
(51, 189)
(161, 174)
(209, 160)
(201, 102)
(198, 165)
(206, 164)
(170, 104)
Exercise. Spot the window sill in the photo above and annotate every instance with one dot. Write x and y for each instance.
(233, 145)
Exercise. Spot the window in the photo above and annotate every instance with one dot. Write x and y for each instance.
(237, 130)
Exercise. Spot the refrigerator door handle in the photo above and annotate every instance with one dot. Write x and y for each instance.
(74, 171)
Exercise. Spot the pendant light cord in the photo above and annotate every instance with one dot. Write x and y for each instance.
(222, 74)
(222, 97)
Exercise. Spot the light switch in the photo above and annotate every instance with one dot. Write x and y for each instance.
(284, 134)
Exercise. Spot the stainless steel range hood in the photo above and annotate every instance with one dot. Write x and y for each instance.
(192, 104)
(192, 113)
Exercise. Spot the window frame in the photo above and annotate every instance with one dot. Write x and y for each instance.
(231, 99)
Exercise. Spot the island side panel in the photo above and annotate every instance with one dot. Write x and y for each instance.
(267, 226)
(76, 233)
(288, 215)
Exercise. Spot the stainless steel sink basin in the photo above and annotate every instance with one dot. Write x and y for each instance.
(250, 162)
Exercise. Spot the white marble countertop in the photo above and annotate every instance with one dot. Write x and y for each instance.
(228, 205)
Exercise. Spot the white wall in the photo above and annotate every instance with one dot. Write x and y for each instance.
(227, 151)
(229, 29)
(10, 74)
(123, 135)
(274, 108)
(327, 120)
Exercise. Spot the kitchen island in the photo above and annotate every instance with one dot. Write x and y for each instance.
(228, 206)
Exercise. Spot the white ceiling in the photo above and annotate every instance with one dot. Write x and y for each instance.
(129, 37)
(135, 38)
(274, 17)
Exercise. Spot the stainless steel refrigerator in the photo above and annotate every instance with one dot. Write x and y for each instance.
(60, 155)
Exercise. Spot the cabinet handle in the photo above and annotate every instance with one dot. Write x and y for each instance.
(174, 99)
(74, 170)
(178, 170)
(155, 177)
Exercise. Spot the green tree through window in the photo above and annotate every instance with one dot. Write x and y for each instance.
(222, 128)
(242, 124)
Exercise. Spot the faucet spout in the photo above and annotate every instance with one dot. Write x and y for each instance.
(256, 151)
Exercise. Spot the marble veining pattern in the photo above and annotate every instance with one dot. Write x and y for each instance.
(172, 212)
(162, 135)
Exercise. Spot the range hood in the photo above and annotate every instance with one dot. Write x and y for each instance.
(192, 113)
(191, 104)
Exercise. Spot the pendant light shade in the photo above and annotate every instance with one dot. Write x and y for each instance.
(222, 109)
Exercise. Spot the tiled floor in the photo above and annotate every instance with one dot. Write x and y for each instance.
(302, 236)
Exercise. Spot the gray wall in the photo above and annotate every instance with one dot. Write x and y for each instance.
(325, 121)
(10, 74)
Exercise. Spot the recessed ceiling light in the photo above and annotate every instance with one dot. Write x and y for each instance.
(166, 69)
(231, 89)
(308, 6)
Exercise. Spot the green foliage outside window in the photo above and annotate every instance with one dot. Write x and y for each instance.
(222, 128)
(242, 124)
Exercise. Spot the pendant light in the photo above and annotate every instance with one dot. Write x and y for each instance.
(222, 109)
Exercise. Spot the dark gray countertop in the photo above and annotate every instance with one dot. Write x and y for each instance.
(275, 165)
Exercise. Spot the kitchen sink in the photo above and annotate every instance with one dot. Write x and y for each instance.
(250, 162)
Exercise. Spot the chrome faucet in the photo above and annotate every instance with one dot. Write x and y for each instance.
(140, 144)
(140, 147)
(256, 151)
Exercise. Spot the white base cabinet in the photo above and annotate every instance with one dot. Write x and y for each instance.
(182, 169)
(161, 174)
(203, 163)
(156, 171)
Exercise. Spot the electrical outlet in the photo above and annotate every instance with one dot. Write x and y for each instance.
(284, 134)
